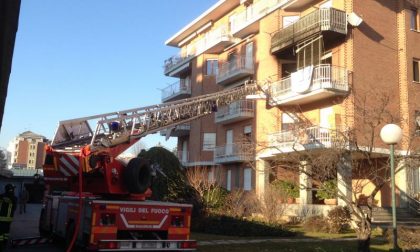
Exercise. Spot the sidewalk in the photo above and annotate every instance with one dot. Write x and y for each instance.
(26, 224)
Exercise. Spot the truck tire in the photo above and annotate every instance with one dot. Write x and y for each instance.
(137, 175)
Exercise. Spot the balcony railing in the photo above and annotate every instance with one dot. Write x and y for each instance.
(321, 20)
(236, 69)
(322, 81)
(177, 64)
(235, 152)
(178, 131)
(315, 137)
(178, 90)
(246, 21)
(215, 41)
(234, 112)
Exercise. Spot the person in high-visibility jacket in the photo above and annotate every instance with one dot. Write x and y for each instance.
(8, 202)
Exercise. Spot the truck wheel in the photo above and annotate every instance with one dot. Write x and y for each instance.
(137, 175)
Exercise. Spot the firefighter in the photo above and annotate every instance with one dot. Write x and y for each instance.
(8, 202)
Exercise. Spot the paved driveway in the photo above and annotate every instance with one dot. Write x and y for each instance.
(26, 225)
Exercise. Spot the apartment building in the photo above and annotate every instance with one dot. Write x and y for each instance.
(27, 150)
(315, 59)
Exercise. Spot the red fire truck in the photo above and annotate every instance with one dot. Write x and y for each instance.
(99, 202)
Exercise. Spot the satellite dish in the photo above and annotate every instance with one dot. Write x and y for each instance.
(354, 19)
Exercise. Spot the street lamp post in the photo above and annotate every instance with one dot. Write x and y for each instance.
(391, 134)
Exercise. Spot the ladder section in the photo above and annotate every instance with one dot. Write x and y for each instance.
(111, 129)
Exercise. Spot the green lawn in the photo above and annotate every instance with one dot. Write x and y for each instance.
(324, 246)
(294, 244)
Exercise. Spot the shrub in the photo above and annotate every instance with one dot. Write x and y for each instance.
(288, 187)
(328, 190)
(270, 204)
(170, 182)
(214, 197)
(338, 219)
(408, 238)
(239, 204)
(316, 223)
(224, 225)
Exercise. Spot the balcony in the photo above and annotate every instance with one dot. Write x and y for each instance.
(236, 69)
(178, 90)
(328, 21)
(310, 138)
(235, 112)
(179, 131)
(246, 22)
(233, 153)
(214, 41)
(177, 64)
(310, 84)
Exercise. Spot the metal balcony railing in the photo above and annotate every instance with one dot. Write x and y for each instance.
(311, 24)
(235, 111)
(253, 13)
(214, 41)
(309, 138)
(324, 77)
(179, 88)
(176, 61)
(235, 152)
(237, 68)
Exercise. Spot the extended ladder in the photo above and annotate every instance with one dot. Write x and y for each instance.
(122, 126)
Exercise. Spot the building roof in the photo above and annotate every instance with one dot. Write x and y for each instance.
(30, 134)
(212, 14)
(9, 16)
(26, 172)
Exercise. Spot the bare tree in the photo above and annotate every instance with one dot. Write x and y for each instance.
(3, 160)
(351, 152)
(205, 182)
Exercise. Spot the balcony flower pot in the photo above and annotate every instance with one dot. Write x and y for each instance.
(289, 190)
(328, 192)
(330, 201)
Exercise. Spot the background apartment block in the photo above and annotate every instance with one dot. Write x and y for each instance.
(314, 59)
(27, 150)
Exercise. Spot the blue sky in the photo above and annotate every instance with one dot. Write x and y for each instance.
(76, 58)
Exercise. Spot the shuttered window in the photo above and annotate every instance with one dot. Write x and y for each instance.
(209, 141)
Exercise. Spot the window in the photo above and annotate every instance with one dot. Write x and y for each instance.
(287, 122)
(229, 180)
(249, 52)
(247, 179)
(414, 20)
(309, 53)
(209, 141)
(248, 130)
(212, 67)
(416, 70)
(418, 123)
(211, 177)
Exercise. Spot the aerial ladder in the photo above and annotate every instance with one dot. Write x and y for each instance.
(98, 202)
(91, 144)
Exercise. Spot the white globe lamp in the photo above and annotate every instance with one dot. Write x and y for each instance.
(391, 134)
